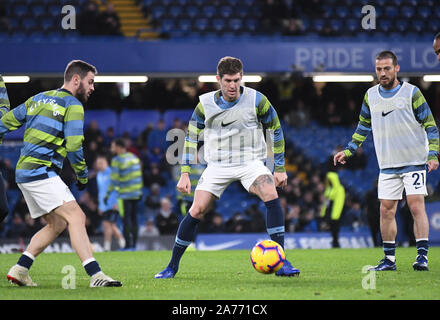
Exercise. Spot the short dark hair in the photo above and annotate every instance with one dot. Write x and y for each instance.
(437, 36)
(387, 55)
(120, 142)
(78, 67)
(229, 65)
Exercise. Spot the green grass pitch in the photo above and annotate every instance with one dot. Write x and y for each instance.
(228, 275)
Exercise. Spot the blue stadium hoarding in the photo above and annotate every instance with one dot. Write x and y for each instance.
(128, 56)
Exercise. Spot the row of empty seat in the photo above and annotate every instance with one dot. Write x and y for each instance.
(131, 121)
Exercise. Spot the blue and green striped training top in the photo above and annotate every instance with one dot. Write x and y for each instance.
(54, 122)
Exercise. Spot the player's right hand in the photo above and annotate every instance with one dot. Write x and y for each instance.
(340, 157)
(184, 184)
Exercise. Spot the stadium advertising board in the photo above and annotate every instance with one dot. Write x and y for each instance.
(178, 57)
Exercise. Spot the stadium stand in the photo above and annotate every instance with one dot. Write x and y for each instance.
(150, 19)
(225, 19)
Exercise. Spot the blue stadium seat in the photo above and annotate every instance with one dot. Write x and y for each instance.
(226, 11)
(185, 25)
(175, 11)
(407, 12)
(105, 118)
(385, 25)
(135, 121)
(243, 11)
(251, 24)
(20, 10)
(391, 12)
(47, 24)
(158, 12)
(209, 11)
(29, 24)
(192, 11)
(170, 115)
(201, 24)
(424, 12)
(402, 25)
(218, 24)
(328, 11)
(336, 25)
(236, 24)
(352, 25)
(167, 25)
(413, 3)
(356, 12)
(379, 12)
(418, 25)
(149, 3)
(14, 23)
(54, 10)
(437, 11)
(233, 3)
(434, 25)
(318, 25)
(38, 10)
(342, 11)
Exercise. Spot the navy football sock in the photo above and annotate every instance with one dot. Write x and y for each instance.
(91, 266)
(389, 248)
(185, 235)
(422, 247)
(26, 260)
(275, 221)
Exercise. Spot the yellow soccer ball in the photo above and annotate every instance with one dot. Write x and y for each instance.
(267, 256)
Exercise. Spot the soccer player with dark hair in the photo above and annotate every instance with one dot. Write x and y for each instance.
(54, 123)
(233, 120)
(406, 140)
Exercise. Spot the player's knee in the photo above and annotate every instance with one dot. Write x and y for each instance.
(387, 212)
(270, 195)
(197, 211)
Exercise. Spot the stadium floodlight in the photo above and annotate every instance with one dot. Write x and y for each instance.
(343, 78)
(246, 78)
(122, 79)
(431, 77)
(16, 79)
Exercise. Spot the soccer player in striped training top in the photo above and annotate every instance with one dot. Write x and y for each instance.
(4, 108)
(406, 140)
(126, 179)
(233, 120)
(54, 130)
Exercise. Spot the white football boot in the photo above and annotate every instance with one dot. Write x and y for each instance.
(20, 276)
(101, 280)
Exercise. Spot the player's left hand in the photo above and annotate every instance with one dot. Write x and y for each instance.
(432, 165)
(280, 179)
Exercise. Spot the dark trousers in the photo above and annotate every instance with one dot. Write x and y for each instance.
(4, 208)
(130, 222)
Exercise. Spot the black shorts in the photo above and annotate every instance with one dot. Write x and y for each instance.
(110, 216)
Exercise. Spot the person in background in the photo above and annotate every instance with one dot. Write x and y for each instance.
(108, 211)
